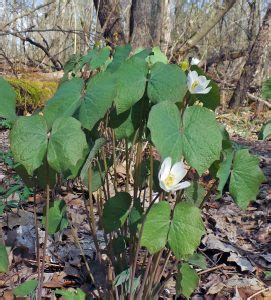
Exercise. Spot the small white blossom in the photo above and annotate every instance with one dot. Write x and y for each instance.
(170, 176)
(194, 61)
(197, 84)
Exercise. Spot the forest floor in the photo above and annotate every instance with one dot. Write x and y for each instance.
(237, 245)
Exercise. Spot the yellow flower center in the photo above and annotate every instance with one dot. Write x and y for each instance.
(194, 84)
(169, 180)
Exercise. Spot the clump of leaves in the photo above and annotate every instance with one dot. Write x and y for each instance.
(131, 104)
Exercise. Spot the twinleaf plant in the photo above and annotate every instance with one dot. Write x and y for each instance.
(117, 109)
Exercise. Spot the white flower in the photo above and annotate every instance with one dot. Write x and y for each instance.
(194, 61)
(197, 84)
(170, 177)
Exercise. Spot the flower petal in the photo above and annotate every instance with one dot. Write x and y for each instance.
(206, 91)
(203, 81)
(193, 75)
(178, 170)
(194, 61)
(165, 168)
(181, 185)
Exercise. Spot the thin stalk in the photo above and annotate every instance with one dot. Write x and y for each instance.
(92, 216)
(139, 295)
(137, 168)
(151, 173)
(45, 241)
(127, 166)
(106, 173)
(138, 246)
(153, 272)
(164, 266)
(114, 161)
(37, 235)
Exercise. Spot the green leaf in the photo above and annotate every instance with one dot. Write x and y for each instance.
(166, 83)
(7, 100)
(266, 89)
(198, 260)
(135, 216)
(126, 123)
(121, 53)
(78, 294)
(210, 100)
(28, 141)
(57, 217)
(187, 280)
(224, 171)
(265, 131)
(67, 146)
(3, 259)
(25, 289)
(195, 194)
(156, 56)
(186, 230)
(100, 94)
(198, 139)
(164, 123)
(156, 227)
(131, 81)
(100, 57)
(118, 245)
(116, 210)
(246, 178)
(65, 101)
(267, 275)
(94, 150)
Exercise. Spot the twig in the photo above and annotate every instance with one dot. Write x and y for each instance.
(222, 266)
(258, 293)
(258, 99)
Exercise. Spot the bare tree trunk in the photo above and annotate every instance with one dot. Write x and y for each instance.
(109, 14)
(263, 40)
(146, 22)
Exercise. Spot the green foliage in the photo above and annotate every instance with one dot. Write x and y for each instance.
(246, 178)
(3, 259)
(187, 280)
(187, 137)
(156, 227)
(266, 89)
(195, 194)
(166, 83)
(224, 171)
(131, 82)
(265, 132)
(65, 101)
(186, 230)
(143, 99)
(26, 288)
(7, 100)
(28, 139)
(116, 211)
(78, 294)
(100, 93)
(57, 219)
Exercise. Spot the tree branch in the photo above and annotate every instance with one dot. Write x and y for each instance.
(27, 13)
(205, 28)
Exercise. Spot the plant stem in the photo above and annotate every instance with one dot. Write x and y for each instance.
(114, 161)
(139, 295)
(45, 240)
(92, 216)
(37, 235)
(127, 166)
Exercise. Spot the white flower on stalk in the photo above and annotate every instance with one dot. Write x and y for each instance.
(194, 61)
(170, 176)
(197, 84)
